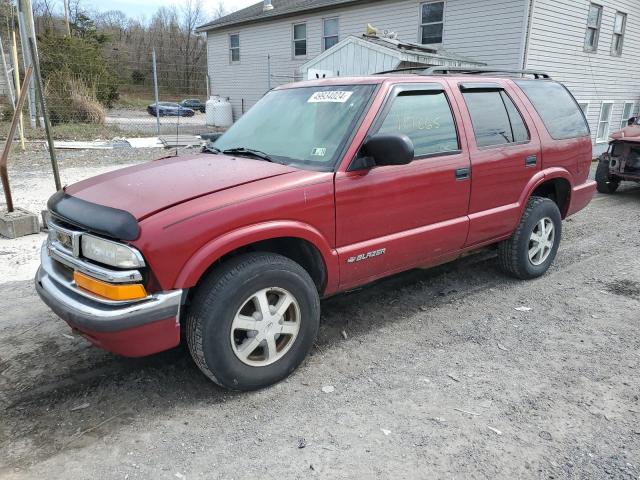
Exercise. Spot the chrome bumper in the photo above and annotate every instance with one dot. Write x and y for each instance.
(55, 285)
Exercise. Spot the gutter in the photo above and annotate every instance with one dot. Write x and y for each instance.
(525, 46)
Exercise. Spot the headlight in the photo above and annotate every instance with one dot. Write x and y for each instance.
(110, 253)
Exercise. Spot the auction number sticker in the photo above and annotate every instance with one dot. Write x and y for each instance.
(331, 96)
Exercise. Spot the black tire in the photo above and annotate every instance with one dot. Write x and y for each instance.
(513, 254)
(218, 298)
(605, 183)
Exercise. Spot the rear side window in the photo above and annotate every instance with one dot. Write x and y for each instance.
(496, 120)
(557, 108)
(426, 118)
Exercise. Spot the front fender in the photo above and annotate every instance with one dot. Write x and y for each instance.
(200, 262)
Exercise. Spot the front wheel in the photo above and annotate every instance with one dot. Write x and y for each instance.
(253, 320)
(605, 183)
(533, 247)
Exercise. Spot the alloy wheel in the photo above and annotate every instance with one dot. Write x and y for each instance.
(265, 327)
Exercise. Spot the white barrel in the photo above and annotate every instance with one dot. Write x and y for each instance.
(210, 109)
(223, 114)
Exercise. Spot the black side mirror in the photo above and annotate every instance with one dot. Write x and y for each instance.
(385, 149)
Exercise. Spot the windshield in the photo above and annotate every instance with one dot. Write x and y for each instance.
(306, 127)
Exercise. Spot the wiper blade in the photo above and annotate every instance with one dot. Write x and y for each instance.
(249, 151)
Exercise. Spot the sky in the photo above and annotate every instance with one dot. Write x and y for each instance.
(136, 8)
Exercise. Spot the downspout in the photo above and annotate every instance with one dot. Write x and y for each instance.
(527, 33)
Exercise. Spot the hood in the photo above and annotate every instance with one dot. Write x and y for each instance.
(145, 189)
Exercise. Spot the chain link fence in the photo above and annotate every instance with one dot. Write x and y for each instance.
(108, 91)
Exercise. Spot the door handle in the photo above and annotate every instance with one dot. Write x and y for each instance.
(531, 161)
(463, 173)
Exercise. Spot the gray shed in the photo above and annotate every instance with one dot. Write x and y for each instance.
(369, 54)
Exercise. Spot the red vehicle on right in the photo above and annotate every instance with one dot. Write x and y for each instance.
(621, 162)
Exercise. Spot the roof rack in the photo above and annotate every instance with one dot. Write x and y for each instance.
(472, 71)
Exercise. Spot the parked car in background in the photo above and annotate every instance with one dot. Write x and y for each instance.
(620, 163)
(170, 109)
(321, 187)
(194, 104)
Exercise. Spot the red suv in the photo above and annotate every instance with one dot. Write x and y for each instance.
(323, 186)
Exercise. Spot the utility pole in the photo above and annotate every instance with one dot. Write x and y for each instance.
(16, 77)
(27, 60)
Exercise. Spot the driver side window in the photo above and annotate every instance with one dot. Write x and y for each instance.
(426, 118)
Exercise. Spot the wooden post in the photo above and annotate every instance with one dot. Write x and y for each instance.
(4, 175)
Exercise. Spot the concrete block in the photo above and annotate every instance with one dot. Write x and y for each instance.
(18, 223)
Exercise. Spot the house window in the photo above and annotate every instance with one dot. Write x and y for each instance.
(432, 22)
(300, 40)
(593, 28)
(627, 113)
(619, 26)
(604, 123)
(330, 32)
(234, 47)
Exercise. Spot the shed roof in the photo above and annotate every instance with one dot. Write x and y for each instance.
(389, 54)
(281, 8)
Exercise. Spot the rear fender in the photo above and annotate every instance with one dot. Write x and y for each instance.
(540, 178)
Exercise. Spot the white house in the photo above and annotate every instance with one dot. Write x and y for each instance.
(591, 46)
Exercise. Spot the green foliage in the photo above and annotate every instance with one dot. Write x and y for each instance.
(80, 59)
(84, 27)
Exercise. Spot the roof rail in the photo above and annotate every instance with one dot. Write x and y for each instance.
(472, 71)
(406, 69)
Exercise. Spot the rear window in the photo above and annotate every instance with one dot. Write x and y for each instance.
(557, 108)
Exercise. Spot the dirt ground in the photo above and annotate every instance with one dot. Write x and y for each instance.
(438, 374)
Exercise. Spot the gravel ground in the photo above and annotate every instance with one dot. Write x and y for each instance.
(435, 374)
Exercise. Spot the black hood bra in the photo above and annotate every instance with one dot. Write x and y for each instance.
(99, 219)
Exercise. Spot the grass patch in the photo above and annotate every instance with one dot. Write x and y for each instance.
(132, 102)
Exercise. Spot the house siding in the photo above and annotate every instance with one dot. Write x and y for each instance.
(556, 45)
(489, 31)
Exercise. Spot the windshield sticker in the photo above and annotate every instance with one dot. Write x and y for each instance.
(318, 152)
(332, 96)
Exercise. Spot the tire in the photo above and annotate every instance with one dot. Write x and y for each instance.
(514, 253)
(216, 343)
(605, 183)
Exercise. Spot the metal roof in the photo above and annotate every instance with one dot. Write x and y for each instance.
(281, 8)
(378, 54)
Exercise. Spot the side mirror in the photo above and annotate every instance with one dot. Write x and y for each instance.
(385, 149)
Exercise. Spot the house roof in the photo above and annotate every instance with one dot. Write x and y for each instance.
(281, 8)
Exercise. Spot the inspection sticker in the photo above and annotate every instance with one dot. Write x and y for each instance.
(319, 152)
(332, 96)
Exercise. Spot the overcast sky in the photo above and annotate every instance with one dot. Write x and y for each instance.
(136, 8)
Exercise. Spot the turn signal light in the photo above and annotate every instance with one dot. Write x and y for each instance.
(109, 290)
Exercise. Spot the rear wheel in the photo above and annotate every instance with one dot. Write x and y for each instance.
(605, 183)
(253, 321)
(533, 247)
